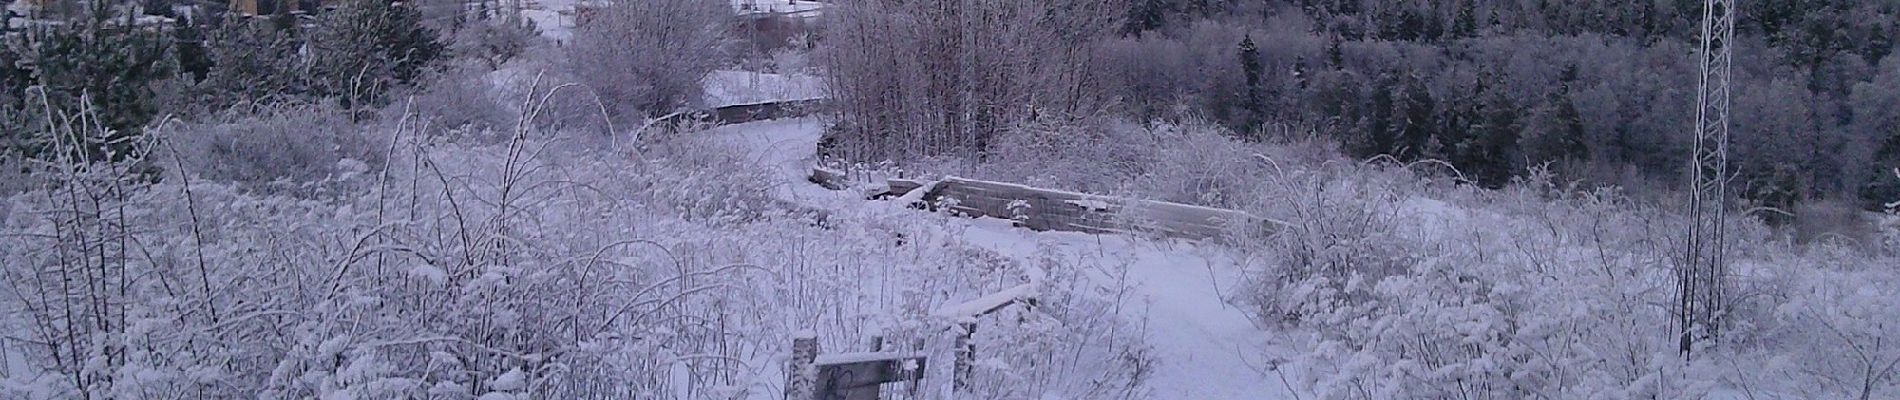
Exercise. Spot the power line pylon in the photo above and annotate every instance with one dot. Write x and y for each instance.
(1702, 275)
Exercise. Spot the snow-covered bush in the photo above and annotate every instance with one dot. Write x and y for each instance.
(494, 41)
(286, 148)
(1391, 295)
(1833, 331)
(1078, 340)
(1394, 286)
(461, 101)
(646, 58)
(1089, 157)
(539, 265)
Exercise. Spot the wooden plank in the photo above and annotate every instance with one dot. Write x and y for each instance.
(828, 178)
(856, 379)
(801, 375)
(1081, 212)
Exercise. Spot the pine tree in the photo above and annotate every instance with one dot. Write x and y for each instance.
(1491, 153)
(98, 59)
(1335, 56)
(193, 61)
(366, 47)
(1417, 111)
(1255, 103)
(253, 60)
(1381, 132)
(1465, 24)
(1145, 15)
(1556, 132)
(1299, 72)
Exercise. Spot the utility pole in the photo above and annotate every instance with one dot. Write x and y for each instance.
(1702, 275)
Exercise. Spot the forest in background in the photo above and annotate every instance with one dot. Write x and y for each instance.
(322, 211)
(1602, 91)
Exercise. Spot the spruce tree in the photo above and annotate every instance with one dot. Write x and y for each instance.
(367, 47)
(1254, 105)
(1465, 24)
(98, 59)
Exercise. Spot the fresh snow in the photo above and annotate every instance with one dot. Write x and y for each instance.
(850, 358)
(1205, 348)
(554, 18)
(728, 87)
(988, 302)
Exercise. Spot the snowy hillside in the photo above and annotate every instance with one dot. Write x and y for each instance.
(950, 200)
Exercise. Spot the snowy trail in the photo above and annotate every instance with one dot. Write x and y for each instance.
(1206, 348)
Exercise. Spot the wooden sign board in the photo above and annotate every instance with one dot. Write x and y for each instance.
(857, 377)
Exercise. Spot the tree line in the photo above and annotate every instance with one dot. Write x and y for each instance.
(129, 64)
(1598, 91)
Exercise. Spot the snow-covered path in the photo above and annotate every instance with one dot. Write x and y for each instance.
(1206, 348)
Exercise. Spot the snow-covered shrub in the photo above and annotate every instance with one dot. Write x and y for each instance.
(13, 176)
(1077, 341)
(525, 267)
(646, 58)
(1831, 335)
(1092, 157)
(494, 41)
(285, 148)
(1341, 238)
(462, 101)
(794, 60)
(1532, 292)
(1542, 290)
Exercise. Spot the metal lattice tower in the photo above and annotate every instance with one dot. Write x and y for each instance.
(1702, 275)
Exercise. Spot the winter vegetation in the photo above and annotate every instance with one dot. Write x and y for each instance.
(1470, 199)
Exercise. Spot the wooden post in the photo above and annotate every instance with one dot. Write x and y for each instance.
(966, 357)
(801, 375)
(916, 377)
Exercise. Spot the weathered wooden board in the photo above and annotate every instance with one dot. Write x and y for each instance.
(858, 376)
(1057, 210)
(828, 178)
(743, 113)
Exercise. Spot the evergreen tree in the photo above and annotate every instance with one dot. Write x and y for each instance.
(1381, 132)
(1335, 56)
(1417, 112)
(366, 47)
(1255, 103)
(1491, 155)
(1145, 15)
(98, 59)
(1556, 132)
(253, 61)
(1465, 24)
(193, 61)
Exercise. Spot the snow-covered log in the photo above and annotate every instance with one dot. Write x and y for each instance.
(1059, 210)
(988, 303)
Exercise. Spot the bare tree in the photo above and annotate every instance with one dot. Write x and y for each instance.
(946, 78)
(647, 57)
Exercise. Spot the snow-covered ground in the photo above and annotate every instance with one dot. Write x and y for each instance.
(554, 18)
(1206, 349)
